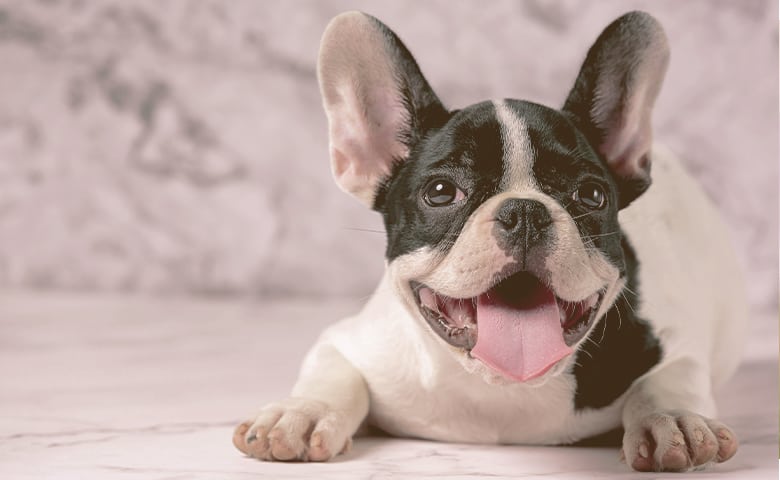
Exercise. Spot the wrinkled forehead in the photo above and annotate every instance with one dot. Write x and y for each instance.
(514, 142)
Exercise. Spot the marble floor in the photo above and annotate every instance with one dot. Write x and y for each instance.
(135, 388)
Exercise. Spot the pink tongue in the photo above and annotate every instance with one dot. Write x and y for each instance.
(522, 343)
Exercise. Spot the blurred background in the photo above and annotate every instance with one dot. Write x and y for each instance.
(180, 148)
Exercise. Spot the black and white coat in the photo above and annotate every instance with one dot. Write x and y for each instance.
(670, 314)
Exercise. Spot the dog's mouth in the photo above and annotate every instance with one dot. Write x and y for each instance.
(518, 326)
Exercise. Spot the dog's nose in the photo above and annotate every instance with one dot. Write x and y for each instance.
(524, 219)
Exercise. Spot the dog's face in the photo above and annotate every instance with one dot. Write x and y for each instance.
(503, 235)
(502, 217)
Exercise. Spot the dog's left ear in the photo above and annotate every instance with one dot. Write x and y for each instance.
(377, 101)
(613, 96)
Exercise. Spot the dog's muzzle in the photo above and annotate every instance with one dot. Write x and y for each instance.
(518, 326)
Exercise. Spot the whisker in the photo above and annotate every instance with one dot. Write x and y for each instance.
(363, 230)
(583, 215)
(620, 317)
(567, 205)
(603, 330)
(628, 289)
(587, 352)
(628, 303)
(589, 237)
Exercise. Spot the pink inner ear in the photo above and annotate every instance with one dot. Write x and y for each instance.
(362, 69)
(364, 139)
(628, 136)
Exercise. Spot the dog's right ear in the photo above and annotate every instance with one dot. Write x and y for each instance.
(377, 101)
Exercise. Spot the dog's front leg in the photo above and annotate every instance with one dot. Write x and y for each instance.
(664, 426)
(316, 423)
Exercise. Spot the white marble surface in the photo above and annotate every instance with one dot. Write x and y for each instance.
(110, 387)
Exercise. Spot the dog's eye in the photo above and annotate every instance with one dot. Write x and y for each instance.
(439, 193)
(591, 195)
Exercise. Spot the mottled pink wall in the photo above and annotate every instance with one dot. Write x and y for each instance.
(180, 146)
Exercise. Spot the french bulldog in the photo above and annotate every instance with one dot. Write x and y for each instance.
(538, 289)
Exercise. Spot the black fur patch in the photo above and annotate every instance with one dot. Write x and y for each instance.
(622, 349)
(466, 151)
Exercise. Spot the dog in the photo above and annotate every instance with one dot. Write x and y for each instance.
(538, 289)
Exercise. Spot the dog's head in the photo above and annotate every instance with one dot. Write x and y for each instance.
(502, 217)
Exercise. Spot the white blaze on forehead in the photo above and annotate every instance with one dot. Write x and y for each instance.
(518, 153)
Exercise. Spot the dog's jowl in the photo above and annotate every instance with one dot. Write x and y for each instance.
(552, 274)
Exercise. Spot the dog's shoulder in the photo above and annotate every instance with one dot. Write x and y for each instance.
(691, 290)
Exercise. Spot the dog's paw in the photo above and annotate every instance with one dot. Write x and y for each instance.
(676, 442)
(296, 429)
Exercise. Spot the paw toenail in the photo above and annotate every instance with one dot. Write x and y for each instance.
(724, 435)
(699, 436)
(643, 450)
(678, 439)
(251, 438)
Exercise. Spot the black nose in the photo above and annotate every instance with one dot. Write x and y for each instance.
(523, 220)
